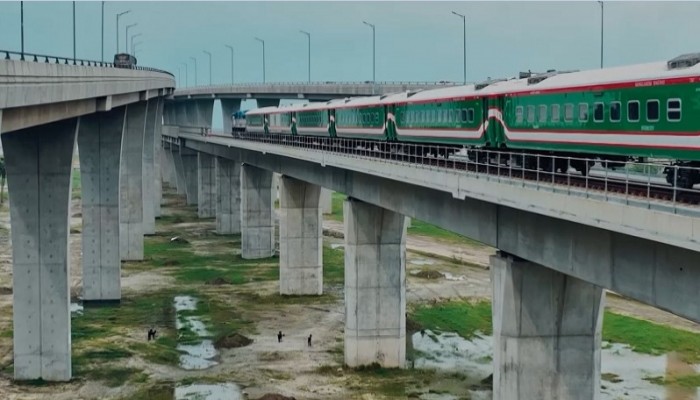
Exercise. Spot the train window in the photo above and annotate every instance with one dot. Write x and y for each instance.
(633, 111)
(542, 114)
(452, 115)
(598, 112)
(531, 114)
(445, 116)
(652, 110)
(439, 113)
(568, 112)
(463, 115)
(583, 112)
(519, 114)
(470, 115)
(615, 111)
(555, 112)
(673, 110)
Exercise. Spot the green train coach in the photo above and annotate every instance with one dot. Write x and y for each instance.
(615, 114)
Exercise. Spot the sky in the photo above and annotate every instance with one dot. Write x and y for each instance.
(415, 41)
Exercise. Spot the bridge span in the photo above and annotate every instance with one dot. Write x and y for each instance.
(559, 247)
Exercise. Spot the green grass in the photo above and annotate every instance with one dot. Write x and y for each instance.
(333, 266)
(76, 186)
(642, 336)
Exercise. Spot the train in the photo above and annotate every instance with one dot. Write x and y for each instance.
(640, 112)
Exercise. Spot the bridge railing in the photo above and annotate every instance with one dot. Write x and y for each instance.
(325, 83)
(632, 183)
(32, 57)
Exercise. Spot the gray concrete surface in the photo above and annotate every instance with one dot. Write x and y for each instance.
(326, 201)
(180, 178)
(375, 285)
(228, 196)
(189, 168)
(301, 238)
(257, 223)
(228, 107)
(100, 143)
(38, 164)
(206, 185)
(159, 159)
(268, 102)
(546, 331)
(147, 169)
(131, 183)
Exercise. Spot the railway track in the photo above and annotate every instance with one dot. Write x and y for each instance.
(594, 184)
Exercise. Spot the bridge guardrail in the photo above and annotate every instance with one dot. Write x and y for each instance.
(76, 61)
(323, 83)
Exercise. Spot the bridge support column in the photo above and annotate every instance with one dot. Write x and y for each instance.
(189, 167)
(326, 201)
(257, 224)
(228, 107)
(100, 143)
(228, 196)
(375, 285)
(159, 158)
(206, 186)
(182, 114)
(301, 238)
(268, 102)
(38, 164)
(149, 150)
(131, 183)
(179, 175)
(546, 331)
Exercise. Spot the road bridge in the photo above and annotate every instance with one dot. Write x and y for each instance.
(559, 248)
(115, 115)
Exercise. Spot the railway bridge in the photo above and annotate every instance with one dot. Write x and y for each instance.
(560, 245)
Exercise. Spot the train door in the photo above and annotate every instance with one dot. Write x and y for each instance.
(494, 129)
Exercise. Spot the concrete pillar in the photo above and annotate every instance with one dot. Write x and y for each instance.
(169, 165)
(189, 168)
(257, 224)
(169, 113)
(183, 119)
(268, 103)
(206, 185)
(228, 196)
(326, 201)
(301, 238)
(205, 112)
(228, 107)
(149, 151)
(546, 331)
(408, 222)
(100, 143)
(38, 164)
(131, 183)
(179, 170)
(158, 160)
(375, 285)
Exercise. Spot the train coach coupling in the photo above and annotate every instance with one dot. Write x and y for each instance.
(683, 174)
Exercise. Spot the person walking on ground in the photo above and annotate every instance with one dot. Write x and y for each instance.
(308, 341)
(151, 334)
(279, 337)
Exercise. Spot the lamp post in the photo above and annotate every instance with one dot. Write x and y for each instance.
(74, 33)
(602, 14)
(133, 47)
(308, 35)
(132, 40)
(21, 29)
(464, 24)
(119, 16)
(126, 37)
(231, 48)
(263, 54)
(186, 78)
(374, 52)
(195, 70)
(209, 54)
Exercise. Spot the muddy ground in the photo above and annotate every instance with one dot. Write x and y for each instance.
(436, 270)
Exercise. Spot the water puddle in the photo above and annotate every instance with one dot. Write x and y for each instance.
(625, 374)
(451, 277)
(76, 308)
(222, 391)
(195, 356)
(337, 246)
(420, 261)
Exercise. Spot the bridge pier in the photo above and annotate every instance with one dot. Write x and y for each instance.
(547, 332)
(326, 201)
(100, 143)
(182, 117)
(159, 158)
(228, 107)
(180, 181)
(206, 185)
(149, 195)
(375, 285)
(38, 165)
(228, 196)
(131, 183)
(257, 223)
(301, 240)
(268, 102)
(188, 159)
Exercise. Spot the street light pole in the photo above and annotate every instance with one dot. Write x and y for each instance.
(103, 31)
(186, 77)
(263, 48)
(464, 24)
(132, 40)
(133, 47)
(374, 52)
(195, 70)
(126, 37)
(119, 16)
(602, 13)
(308, 35)
(209, 54)
(74, 32)
(21, 17)
(231, 48)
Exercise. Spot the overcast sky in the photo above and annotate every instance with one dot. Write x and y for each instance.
(415, 41)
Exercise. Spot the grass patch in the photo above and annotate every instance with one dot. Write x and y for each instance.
(114, 377)
(462, 317)
(333, 265)
(161, 391)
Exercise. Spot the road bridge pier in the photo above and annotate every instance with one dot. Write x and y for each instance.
(375, 285)
(149, 152)
(228, 196)
(257, 219)
(158, 160)
(301, 238)
(189, 159)
(228, 107)
(131, 205)
(206, 185)
(38, 165)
